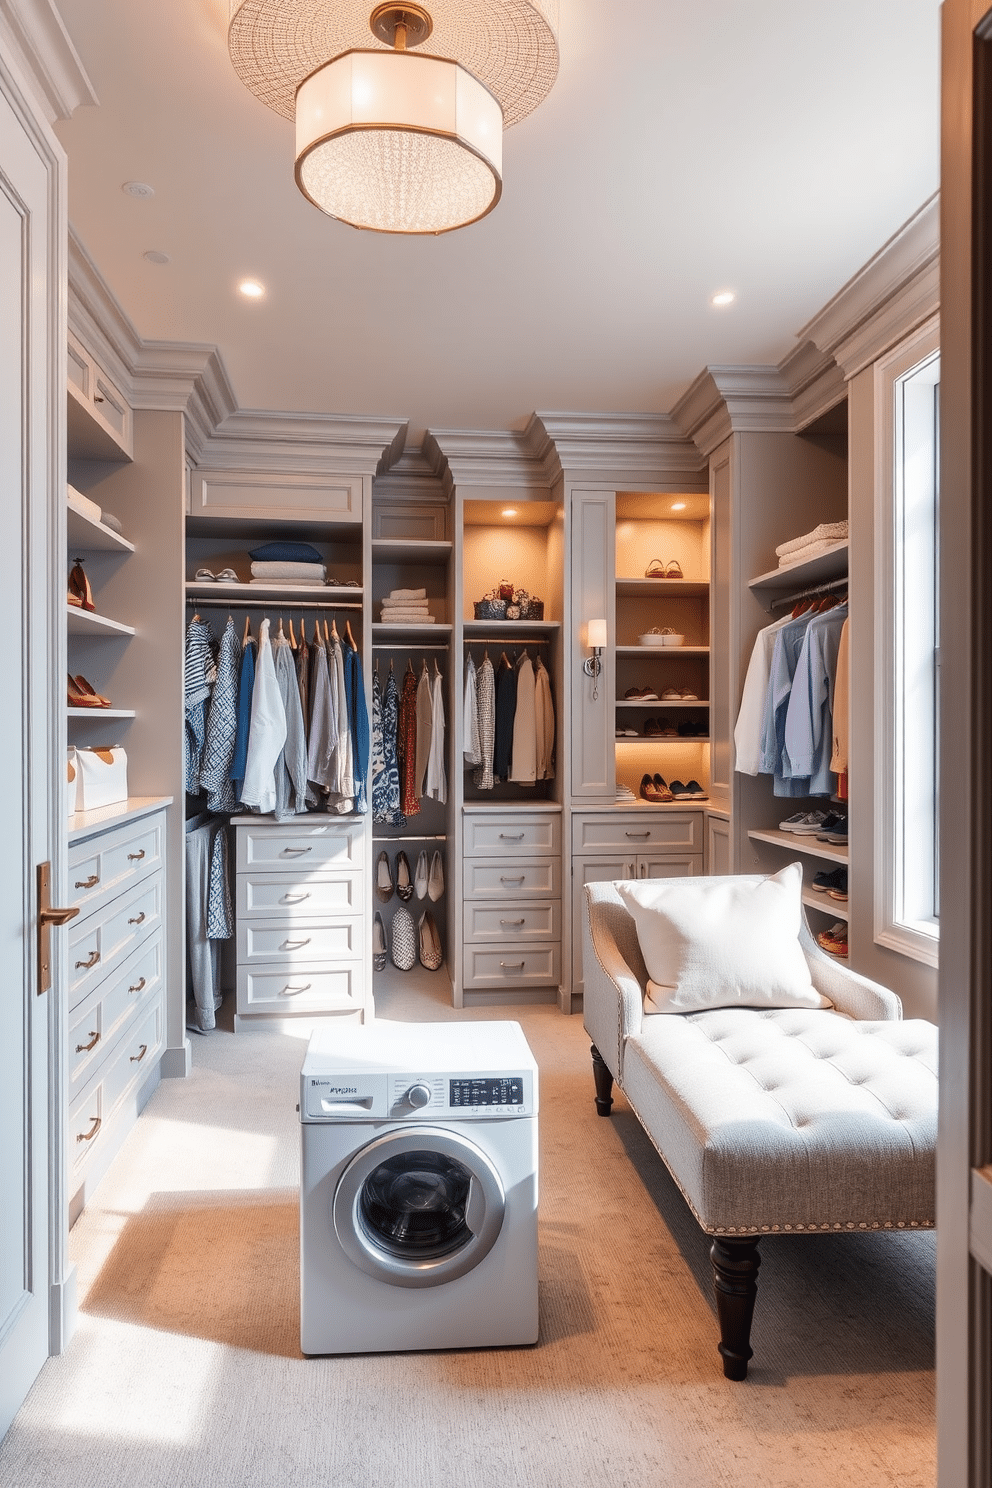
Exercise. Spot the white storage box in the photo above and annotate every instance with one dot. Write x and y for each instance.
(101, 777)
(72, 776)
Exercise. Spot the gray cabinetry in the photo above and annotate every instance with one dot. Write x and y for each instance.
(512, 901)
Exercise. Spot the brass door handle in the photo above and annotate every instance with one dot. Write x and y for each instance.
(87, 883)
(138, 986)
(94, 958)
(94, 1040)
(48, 915)
(138, 920)
(137, 1058)
(88, 1136)
(136, 857)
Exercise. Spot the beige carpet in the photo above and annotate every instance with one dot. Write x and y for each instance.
(185, 1368)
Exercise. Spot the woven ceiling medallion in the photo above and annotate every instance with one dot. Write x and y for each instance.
(398, 142)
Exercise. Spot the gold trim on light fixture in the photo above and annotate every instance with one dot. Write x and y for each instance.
(387, 21)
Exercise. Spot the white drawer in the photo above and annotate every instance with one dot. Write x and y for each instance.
(296, 942)
(104, 865)
(133, 1056)
(86, 1119)
(301, 849)
(275, 896)
(635, 832)
(102, 941)
(530, 878)
(106, 1010)
(488, 967)
(489, 833)
(512, 922)
(305, 989)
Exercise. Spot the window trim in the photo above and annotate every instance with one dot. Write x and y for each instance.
(919, 939)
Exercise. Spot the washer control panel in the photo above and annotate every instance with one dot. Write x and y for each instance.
(483, 1093)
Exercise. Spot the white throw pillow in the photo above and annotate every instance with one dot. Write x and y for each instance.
(722, 942)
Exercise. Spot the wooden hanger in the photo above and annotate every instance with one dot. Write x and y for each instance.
(292, 636)
(327, 633)
(247, 635)
(351, 638)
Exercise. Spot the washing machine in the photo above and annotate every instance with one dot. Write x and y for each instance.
(418, 1191)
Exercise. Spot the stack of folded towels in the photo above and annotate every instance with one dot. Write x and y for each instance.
(287, 562)
(88, 508)
(406, 606)
(817, 541)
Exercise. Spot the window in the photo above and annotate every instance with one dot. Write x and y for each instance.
(907, 881)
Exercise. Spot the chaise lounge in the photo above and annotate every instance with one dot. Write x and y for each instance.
(771, 1119)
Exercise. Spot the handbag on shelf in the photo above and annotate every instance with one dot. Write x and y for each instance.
(101, 777)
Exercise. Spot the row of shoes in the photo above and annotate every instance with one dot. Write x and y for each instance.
(81, 694)
(406, 943)
(825, 826)
(80, 595)
(833, 883)
(426, 881)
(695, 728)
(834, 940)
(670, 695)
(654, 789)
(658, 569)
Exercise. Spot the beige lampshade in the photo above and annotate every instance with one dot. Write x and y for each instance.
(398, 141)
(596, 635)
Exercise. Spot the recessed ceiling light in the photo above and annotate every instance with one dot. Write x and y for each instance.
(251, 289)
(725, 297)
(156, 256)
(509, 511)
(139, 189)
(679, 505)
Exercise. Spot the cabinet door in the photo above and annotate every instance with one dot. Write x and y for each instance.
(650, 865)
(718, 858)
(592, 578)
(591, 870)
(242, 494)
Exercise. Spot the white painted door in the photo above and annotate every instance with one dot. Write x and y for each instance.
(30, 308)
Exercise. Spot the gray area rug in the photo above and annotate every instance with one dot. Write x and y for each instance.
(185, 1368)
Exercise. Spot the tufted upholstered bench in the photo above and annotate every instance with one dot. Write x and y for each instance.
(774, 1121)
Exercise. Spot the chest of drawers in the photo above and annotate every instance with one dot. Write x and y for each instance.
(511, 917)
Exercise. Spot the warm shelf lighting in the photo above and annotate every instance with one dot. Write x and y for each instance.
(251, 289)
(387, 138)
(510, 511)
(679, 505)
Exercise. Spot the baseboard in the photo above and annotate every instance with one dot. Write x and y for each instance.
(177, 1063)
(63, 1310)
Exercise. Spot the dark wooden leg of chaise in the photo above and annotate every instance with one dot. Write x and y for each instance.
(604, 1083)
(735, 1272)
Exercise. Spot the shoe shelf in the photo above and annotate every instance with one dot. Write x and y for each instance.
(835, 909)
(662, 651)
(89, 623)
(656, 703)
(662, 739)
(660, 589)
(799, 842)
(90, 536)
(96, 713)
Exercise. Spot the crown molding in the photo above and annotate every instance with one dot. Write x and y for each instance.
(486, 459)
(97, 317)
(32, 31)
(893, 293)
(816, 383)
(728, 400)
(637, 450)
(411, 478)
(302, 442)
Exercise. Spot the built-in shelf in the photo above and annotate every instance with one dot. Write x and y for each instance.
(322, 593)
(657, 703)
(664, 739)
(663, 651)
(835, 908)
(97, 713)
(135, 807)
(383, 631)
(414, 550)
(510, 628)
(801, 843)
(830, 564)
(660, 589)
(88, 623)
(88, 535)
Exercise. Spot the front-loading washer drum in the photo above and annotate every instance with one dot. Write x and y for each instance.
(418, 1206)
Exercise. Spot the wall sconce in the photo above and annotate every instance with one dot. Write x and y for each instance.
(596, 641)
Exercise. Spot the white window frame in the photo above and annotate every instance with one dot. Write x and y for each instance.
(904, 824)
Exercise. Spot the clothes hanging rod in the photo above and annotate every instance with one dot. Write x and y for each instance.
(265, 604)
(787, 601)
(388, 646)
(507, 641)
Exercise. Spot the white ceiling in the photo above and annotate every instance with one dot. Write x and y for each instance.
(688, 146)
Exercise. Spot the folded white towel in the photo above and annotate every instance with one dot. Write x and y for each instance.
(826, 532)
(406, 604)
(287, 570)
(82, 503)
(409, 617)
(292, 583)
(812, 551)
(407, 594)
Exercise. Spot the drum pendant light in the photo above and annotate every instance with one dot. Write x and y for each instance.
(387, 138)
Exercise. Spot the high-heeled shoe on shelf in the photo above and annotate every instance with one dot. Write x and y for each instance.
(79, 585)
(435, 881)
(420, 877)
(383, 879)
(404, 940)
(81, 695)
(378, 943)
(430, 942)
(404, 882)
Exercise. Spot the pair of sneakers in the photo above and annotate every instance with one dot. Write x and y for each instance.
(833, 883)
(834, 940)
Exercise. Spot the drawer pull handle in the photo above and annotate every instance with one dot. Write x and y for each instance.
(94, 1040)
(513, 880)
(294, 945)
(289, 991)
(640, 834)
(138, 986)
(295, 851)
(511, 836)
(294, 898)
(136, 857)
(513, 965)
(94, 958)
(87, 883)
(138, 919)
(521, 921)
(137, 1058)
(88, 1136)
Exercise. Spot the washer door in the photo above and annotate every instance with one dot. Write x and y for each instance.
(418, 1206)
